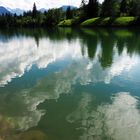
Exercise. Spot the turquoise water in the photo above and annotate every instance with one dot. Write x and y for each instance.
(70, 84)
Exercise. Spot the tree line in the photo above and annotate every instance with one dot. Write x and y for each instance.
(110, 8)
(32, 18)
(88, 9)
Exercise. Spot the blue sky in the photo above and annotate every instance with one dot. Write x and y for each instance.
(27, 4)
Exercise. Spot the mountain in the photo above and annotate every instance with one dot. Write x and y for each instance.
(42, 10)
(64, 7)
(16, 11)
(3, 10)
(19, 11)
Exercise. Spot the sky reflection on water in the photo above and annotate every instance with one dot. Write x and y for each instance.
(90, 66)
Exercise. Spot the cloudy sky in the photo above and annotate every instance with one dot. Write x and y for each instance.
(27, 4)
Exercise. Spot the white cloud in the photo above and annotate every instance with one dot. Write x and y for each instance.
(27, 4)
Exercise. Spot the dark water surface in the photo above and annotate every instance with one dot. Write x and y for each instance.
(70, 84)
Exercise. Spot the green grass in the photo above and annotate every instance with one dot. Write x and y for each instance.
(105, 21)
(66, 23)
(90, 22)
(120, 21)
(123, 21)
(96, 22)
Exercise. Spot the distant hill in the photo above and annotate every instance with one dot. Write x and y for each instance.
(17, 11)
(3, 10)
(42, 10)
(64, 7)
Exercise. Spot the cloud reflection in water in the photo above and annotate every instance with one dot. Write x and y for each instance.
(22, 55)
(106, 119)
(19, 54)
(119, 120)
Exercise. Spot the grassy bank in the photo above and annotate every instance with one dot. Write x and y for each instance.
(98, 21)
(66, 23)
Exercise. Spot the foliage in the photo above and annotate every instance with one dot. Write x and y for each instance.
(125, 7)
(34, 18)
(92, 9)
(34, 11)
(52, 17)
(83, 10)
(7, 21)
(110, 8)
(69, 13)
(135, 8)
(87, 15)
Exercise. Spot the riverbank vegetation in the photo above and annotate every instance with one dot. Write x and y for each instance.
(91, 13)
(109, 13)
(99, 21)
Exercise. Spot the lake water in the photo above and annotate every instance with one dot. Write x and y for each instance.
(70, 84)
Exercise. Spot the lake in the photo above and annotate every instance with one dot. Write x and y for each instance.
(70, 84)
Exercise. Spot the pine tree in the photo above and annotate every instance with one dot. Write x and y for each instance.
(34, 11)
(110, 8)
(135, 8)
(83, 3)
(69, 13)
(125, 7)
(92, 8)
(83, 10)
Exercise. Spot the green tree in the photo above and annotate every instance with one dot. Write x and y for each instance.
(53, 17)
(34, 11)
(92, 8)
(135, 8)
(125, 7)
(83, 3)
(83, 10)
(110, 8)
(69, 13)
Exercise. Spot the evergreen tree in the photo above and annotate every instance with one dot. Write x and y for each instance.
(83, 3)
(110, 8)
(125, 7)
(34, 11)
(83, 10)
(135, 8)
(92, 8)
(69, 13)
